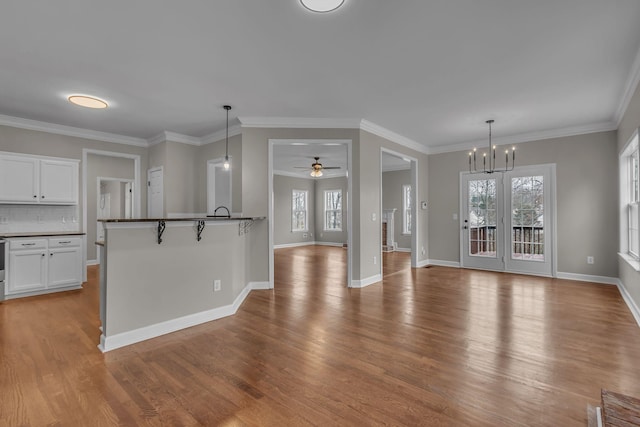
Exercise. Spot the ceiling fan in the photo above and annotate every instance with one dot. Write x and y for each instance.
(317, 168)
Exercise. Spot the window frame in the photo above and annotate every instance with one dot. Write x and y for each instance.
(406, 209)
(327, 210)
(629, 201)
(294, 210)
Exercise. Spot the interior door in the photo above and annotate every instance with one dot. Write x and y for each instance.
(507, 220)
(155, 193)
(482, 215)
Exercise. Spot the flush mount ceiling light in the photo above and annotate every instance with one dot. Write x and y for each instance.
(88, 101)
(322, 5)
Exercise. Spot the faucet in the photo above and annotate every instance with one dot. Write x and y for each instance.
(228, 215)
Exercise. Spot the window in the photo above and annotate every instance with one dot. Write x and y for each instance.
(630, 199)
(634, 199)
(406, 209)
(299, 211)
(333, 210)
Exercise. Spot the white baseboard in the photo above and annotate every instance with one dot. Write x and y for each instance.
(43, 292)
(259, 285)
(442, 263)
(403, 250)
(588, 278)
(422, 263)
(93, 262)
(633, 307)
(152, 331)
(293, 245)
(338, 245)
(366, 282)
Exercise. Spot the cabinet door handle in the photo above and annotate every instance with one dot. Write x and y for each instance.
(51, 254)
(64, 242)
(28, 244)
(42, 254)
(42, 197)
(35, 197)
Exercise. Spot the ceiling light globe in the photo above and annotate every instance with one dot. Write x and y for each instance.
(322, 5)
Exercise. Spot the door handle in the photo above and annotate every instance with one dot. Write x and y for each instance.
(465, 227)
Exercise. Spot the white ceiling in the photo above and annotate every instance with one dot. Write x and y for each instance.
(431, 71)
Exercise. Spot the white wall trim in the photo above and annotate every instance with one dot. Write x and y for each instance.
(93, 262)
(403, 249)
(588, 278)
(152, 331)
(443, 263)
(36, 125)
(298, 122)
(629, 89)
(256, 286)
(334, 244)
(293, 245)
(633, 307)
(373, 128)
(366, 282)
(527, 137)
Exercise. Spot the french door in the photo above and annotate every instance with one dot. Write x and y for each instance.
(507, 220)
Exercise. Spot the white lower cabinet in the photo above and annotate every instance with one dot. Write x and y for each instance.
(44, 264)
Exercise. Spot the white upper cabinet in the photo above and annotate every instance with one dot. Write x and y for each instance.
(19, 179)
(38, 180)
(58, 182)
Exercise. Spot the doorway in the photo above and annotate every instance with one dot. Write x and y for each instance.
(508, 221)
(115, 200)
(296, 158)
(219, 188)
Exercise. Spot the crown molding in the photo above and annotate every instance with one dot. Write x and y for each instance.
(298, 122)
(630, 88)
(396, 168)
(39, 126)
(527, 137)
(221, 134)
(373, 128)
(182, 139)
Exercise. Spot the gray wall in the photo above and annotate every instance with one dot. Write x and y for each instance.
(282, 191)
(392, 183)
(214, 151)
(587, 193)
(339, 183)
(630, 122)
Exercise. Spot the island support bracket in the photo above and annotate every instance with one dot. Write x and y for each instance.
(200, 228)
(244, 226)
(161, 226)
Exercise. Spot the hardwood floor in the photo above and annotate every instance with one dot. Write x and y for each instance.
(430, 346)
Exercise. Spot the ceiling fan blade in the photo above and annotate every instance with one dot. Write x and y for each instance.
(331, 167)
(301, 167)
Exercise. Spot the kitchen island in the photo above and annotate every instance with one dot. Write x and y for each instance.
(165, 274)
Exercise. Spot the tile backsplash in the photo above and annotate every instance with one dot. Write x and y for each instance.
(27, 218)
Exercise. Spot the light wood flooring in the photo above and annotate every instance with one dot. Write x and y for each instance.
(430, 346)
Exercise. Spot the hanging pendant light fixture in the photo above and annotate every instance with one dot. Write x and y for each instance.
(492, 158)
(226, 155)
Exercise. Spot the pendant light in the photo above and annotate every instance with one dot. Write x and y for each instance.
(226, 155)
(492, 158)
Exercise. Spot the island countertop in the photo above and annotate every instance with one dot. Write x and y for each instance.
(197, 218)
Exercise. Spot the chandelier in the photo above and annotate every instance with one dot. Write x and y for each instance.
(492, 158)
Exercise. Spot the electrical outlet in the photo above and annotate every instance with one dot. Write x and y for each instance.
(217, 285)
(373, 216)
(304, 235)
(422, 251)
(455, 216)
(590, 260)
(375, 260)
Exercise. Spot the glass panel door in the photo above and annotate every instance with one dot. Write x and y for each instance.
(528, 225)
(481, 216)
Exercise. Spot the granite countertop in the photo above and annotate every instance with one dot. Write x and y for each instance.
(205, 218)
(42, 234)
